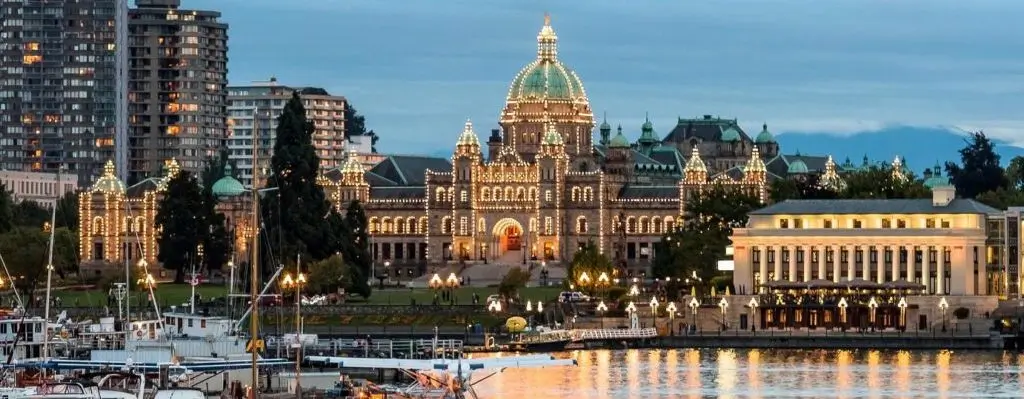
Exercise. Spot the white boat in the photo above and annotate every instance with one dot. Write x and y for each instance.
(21, 337)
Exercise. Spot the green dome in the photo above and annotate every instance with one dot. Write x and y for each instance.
(228, 186)
(797, 167)
(546, 79)
(937, 180)
(731, 134)
(619, 141)
(765, 136)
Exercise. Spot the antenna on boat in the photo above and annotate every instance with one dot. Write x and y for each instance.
(49, 273)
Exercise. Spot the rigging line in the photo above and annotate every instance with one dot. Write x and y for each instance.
(145, 265)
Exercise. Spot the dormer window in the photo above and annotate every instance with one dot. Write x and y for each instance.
(827, 224)
(901, 224)
(886, 224)
(798, 223)
(945, 224)
(857, 223)
(929, 223)
(783, 223)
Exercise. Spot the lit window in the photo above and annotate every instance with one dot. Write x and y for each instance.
(828, 224)
(547, 195)
(31, 59)
(929, 223)
(856, 223)
(783, 223)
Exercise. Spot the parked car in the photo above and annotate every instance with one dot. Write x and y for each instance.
(572, 296)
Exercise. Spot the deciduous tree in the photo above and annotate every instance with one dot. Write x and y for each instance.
(30, 214)
(26, 252)
(591, 261)
(6, 210)
(355, 125)
(328, 275)
(979, 170)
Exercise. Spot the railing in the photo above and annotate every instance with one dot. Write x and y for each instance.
(408, 348)
(607, 333)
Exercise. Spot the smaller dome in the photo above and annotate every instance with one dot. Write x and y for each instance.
(765, 136)
(731, 134)
(605, 125)
(797, 167)
(619, 141)
(109, 183)
(227, 186)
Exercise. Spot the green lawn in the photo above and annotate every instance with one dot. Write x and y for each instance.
(176, 294)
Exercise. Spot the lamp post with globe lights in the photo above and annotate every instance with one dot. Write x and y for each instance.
(451, 283)
(753, 312)
(694, 305)
(724, 305)
(671, 309)
(872, 308)
(654, 312)
(943, 305)
(601, 308)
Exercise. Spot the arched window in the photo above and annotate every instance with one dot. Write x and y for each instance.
(533, 224)
(581, 225)
(423, 224)
(631, 224)
(485, 194)
(481, 225)
(399, 225)
(575, 193)
(615, 224)
(520, 194)
(374, 225)
(451, 193)
(656, 225)
(533, 193)
(645, 225)
(509, 194)
(670, 223)
(440, 194)
(446, 225)
(588, 194)
(463, 226)
(410, 224)
(139, 223)
(97, 225)
(386, 226)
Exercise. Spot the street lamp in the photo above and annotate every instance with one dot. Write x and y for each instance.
(873, 306)
(724, 305)
(903, 313)
(654, 311)
(601, 308)
(671, 309)
(753, 319)
(584, 279)
(943, 305)
(694, 304)
(634, 291)
(452, 282)
(529, 306)
(842, 311)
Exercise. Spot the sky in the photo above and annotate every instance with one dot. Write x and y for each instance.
(417, 69)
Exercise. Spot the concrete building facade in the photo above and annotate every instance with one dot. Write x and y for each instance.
(177, 88)
(41, 187)
(58, 86)
(253, 110)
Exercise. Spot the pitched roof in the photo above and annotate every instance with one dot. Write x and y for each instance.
(779, 165)
(652, 192)
(397, 192)
(707, 128)
(409, 170)
(139, 189)
(874, 206)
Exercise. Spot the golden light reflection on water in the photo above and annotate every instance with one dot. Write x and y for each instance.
(942, 361)
(765, 373)
(726, 373)
(693, 372)
(843, 375)
(754, 371)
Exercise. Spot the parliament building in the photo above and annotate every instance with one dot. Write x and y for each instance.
(538, 187)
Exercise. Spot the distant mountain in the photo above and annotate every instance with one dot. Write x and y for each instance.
(922, 147)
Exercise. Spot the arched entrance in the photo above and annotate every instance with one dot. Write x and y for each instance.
(509, 235)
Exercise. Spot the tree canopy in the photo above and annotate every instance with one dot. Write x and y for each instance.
(328, 275)
(979, 170)
(297, 216)
(591, 261)
(698, 245)
(26, 249)
(871, 182)
(188, 221)
(6, 210)
(355, 125)
(353, 233)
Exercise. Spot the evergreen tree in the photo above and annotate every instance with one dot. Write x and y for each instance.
(184, 221)
(30, 214)
(67, 211)
(877, 182)
(299, 223)
(6, 210)
(979, 170)
(217, 246)
(214, 169)
(355, 247)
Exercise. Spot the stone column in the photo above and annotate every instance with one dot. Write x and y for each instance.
(762, 267)
(777, 266)
(821, 262)
(806, 251)
(960, 271)
(926, 277)
(911, 262)
(940, 279)
(792, 263)
(896, 264)
(881, 266)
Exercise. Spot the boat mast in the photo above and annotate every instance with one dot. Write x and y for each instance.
(254, 266)
(126, 323)
(49, 273)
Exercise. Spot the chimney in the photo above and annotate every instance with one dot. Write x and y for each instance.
(942, 195)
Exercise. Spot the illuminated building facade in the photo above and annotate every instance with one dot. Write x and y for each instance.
(117, 221)
(539, 188)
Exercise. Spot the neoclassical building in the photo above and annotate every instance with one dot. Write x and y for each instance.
(117, 222)
(538, 188)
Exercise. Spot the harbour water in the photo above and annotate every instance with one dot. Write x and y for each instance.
(753, 373)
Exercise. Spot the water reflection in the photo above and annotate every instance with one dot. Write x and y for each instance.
(682, 373)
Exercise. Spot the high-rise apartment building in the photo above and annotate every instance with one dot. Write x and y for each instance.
(254, 109)
(58, 86)
(177, 84)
